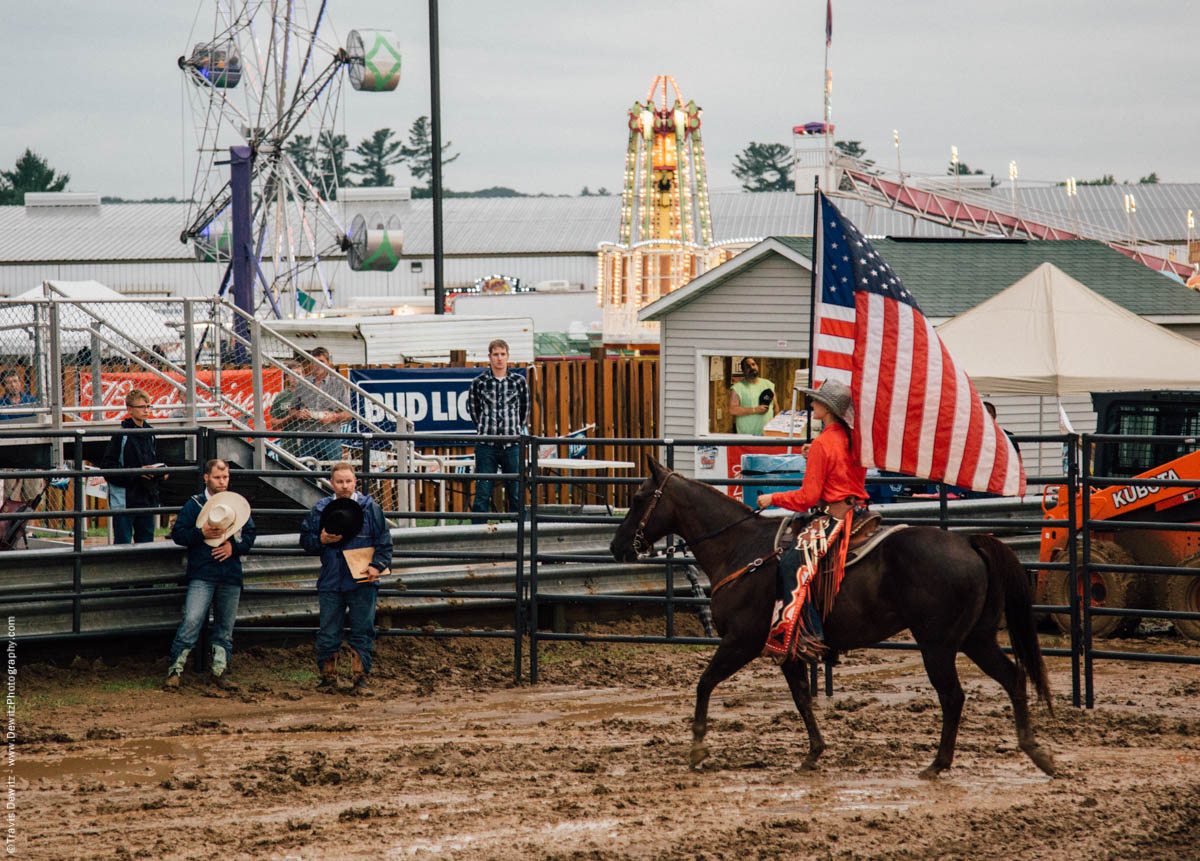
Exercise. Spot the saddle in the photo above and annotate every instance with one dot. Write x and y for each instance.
(865, 533)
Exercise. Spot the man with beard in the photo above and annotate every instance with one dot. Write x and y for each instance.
(751, 400)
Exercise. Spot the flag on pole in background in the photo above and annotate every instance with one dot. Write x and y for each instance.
(916, 411)
(828, 22)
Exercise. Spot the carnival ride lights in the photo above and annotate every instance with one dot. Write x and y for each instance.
(270, 73)
(666, 235)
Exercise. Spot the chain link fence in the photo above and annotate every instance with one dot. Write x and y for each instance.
(24, 364)
(75, 356)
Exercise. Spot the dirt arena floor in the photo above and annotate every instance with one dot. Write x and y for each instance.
(450, 760)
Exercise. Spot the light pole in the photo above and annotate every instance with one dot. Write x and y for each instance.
(1191, 225)
(1130, 219)
(1072, 193)
(954, 166)
(896, 142)
(1012, 177)
(435, 181)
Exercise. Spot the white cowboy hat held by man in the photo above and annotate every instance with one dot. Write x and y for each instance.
(223, 515)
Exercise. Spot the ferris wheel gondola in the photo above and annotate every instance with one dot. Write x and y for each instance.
(373, 249)
(269, 76)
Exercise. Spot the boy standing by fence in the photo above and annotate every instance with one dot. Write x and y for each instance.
(499, 405)
(126, 451)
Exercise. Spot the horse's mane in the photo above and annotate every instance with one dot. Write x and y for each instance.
(726, 500)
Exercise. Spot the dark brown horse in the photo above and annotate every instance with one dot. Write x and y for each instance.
(951, 591)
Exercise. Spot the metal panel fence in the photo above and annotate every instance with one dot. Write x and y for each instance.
(528, 563)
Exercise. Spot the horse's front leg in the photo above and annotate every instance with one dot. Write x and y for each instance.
(939, 666)
(731, 655)
(796, 673)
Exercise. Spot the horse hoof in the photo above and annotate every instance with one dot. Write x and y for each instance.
(930, 773)
(697, 755)
(1042, 760)
(809, 765)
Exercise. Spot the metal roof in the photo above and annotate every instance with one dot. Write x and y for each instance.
(544, 225)
(949, 276)
(128, 231)
(1161, 207)
(472, 226)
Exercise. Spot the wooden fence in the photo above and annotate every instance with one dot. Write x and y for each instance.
(619, 395)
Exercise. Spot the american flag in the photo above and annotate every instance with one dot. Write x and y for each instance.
(916, 411)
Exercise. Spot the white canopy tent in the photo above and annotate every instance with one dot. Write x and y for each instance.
(1049, 334)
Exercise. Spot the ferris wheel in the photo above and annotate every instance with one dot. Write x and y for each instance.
(268, 74)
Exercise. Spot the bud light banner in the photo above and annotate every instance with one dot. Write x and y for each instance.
(433, 399)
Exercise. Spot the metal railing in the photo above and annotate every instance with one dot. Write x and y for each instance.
(534, 563)
(196, 359)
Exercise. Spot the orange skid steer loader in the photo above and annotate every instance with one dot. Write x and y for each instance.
(1121, 589)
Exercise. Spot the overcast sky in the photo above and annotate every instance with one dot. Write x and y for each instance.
(534, 92)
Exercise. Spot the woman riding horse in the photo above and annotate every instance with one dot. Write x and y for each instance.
(949, 589)
(834, 482)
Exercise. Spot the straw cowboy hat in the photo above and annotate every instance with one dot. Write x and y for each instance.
(836, 398)
(226, 509)
(343, 516)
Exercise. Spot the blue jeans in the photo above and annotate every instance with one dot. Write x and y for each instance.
(324, 449)
(133, 528)
(200, 594)
(361, 606)
(495, 458)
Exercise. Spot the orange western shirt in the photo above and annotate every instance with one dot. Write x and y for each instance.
(830, 474)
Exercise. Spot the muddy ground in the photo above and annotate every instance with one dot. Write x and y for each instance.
(450, 760)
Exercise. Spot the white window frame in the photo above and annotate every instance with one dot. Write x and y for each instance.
(700, 369)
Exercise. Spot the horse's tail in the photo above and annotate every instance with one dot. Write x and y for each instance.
(1002, 563)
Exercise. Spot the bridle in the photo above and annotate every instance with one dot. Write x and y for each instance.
(640, 544)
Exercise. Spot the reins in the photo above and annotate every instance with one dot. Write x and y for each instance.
(745, 569)
(639, 538)
(717, 531)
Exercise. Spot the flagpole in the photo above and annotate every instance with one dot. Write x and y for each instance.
(827, 85)
(817, 256)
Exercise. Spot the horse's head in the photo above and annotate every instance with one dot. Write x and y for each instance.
(650, 516)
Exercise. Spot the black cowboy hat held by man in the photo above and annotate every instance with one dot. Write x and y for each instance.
(339, 593)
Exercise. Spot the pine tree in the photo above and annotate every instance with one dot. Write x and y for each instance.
(303, 155)
(378, 153)
(764, 167)
(331, 162)
(419, 151)
(30, 173)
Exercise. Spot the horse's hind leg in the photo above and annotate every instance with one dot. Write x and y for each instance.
(939, 666)
(986, 652)
(796, 673)
(731, 656)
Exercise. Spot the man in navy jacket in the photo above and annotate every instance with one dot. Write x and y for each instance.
(126, 451)
(214, 577)
(338, 592)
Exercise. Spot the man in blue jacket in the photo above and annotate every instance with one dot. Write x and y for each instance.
(340, 592)
(126, 451)
(215, 548)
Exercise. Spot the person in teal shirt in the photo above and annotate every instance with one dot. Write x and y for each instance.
(751, 400)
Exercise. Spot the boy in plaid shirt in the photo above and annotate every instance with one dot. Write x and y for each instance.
(499, 405)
